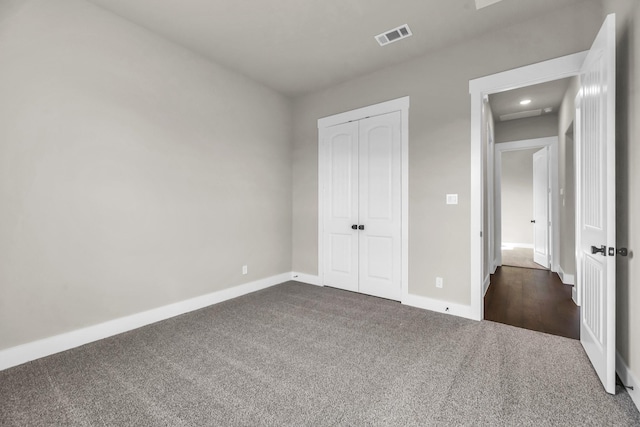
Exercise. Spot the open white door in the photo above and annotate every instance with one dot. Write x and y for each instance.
(540, 221)
(595, 193)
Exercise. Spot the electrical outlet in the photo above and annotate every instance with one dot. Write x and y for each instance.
(439, 282)
(245, 269)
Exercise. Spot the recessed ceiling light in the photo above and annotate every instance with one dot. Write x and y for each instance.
(525, 102)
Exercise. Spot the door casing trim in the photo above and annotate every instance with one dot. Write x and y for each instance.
(553, 69)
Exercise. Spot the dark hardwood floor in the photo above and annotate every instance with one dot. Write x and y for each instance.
(532, 299)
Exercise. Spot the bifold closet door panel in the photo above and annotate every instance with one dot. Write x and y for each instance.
(380, 191)
(340, 210)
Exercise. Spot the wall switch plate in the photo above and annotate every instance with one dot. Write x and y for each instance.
(452, 199)
(245, 269)
(439, 282)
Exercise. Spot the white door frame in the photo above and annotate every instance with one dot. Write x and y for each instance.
(542, 72)
(401, 105)
(495, 208)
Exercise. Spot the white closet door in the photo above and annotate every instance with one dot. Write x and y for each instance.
(341, 206)
(380, 206)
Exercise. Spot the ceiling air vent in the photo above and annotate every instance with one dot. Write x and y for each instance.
(394, 35)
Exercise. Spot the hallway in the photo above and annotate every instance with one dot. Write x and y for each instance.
(532, 299)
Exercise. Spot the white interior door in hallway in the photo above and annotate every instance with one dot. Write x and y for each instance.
(361, 210)
(541, 192)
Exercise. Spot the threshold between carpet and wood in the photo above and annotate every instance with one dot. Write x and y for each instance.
(296, 354)
(519, 257)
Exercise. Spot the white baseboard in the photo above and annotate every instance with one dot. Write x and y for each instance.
(34, 350)
(309, 279)
(628, 379)
(438, 306)
(485, 285)
(518, 245)
(567, 279)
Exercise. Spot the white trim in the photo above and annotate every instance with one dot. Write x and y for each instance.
(401, 105)
(438, 306)
(554, 229)
(628, 379)
(567, 279)
(36, 349)
(309, 279)
(566, 66)
(485, 285)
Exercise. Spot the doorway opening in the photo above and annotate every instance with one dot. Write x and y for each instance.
(525, 204)
(528, 276)
(525, 209)
(483, 246)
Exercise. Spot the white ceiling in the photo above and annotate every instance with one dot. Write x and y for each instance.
(299, 46)
(543, 95)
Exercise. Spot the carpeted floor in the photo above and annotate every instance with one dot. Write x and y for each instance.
(519, 257)
(299, 355)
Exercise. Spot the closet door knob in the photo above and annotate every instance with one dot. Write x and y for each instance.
(361, 227)
(354, 227)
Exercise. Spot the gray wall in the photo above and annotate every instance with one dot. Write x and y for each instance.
(529, 128)
(439, 149)
(517, 196)
(628, 179)
(566, 171)
(133, 173)
(130, 178)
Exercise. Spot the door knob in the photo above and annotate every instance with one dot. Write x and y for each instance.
(601, 250)
(361, 227)
(533, 221)
(354, 227)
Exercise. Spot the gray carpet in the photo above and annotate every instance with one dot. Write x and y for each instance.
(300, 355)
(520, 257)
